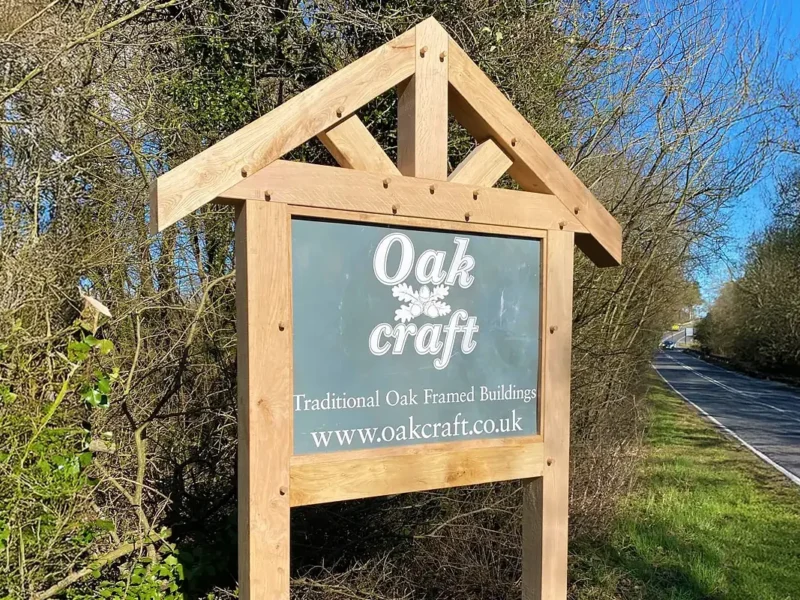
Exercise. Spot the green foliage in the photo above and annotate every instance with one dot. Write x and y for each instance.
(755, 321)
(145, 579)
(234, 70)
(46, 479)
(95, 393)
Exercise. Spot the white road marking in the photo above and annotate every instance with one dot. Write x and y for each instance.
(730, 389)
(712, 380)
(792, 477)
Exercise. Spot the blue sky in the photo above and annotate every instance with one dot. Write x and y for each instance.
(750, 213)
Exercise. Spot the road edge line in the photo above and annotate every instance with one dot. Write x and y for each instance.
(791, 476)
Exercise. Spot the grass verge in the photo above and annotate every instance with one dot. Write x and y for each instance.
(708, 521)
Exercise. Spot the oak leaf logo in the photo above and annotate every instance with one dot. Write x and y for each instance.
(423, 302)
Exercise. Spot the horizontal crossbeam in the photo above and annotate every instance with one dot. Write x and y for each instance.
(303, 184)
(317, 478)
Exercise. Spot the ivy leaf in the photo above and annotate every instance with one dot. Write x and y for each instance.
(105, 346)
(77, 351)
(94, 397)
(104, 385)
(85, 325)
(104, 524)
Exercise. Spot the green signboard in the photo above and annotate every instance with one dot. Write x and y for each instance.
(408, 336)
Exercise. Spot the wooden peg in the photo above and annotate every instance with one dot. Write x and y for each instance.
(423, 51)
(244, 171)
(267, 195)
(394, 209)
(433, 188)
(466, 217)
(386, 183)
(443, 55)
(475, 194)
(340, 111)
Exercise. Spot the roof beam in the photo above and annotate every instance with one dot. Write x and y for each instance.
(203, 177)
(422, 107)
(486, 113)
(353, 147)
(483, 166)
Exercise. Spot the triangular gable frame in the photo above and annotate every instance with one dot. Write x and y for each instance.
(433, 74)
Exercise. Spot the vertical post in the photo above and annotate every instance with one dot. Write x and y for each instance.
(546, 499)
(422, 107)
(264, 327)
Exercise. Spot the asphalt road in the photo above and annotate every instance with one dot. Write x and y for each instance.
(679, 337)
(763, 415)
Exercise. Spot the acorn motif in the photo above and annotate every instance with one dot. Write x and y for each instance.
(425, 301)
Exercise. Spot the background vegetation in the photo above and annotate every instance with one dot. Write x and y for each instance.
(755, 321)
(118, 455)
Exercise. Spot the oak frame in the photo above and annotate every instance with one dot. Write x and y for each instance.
(328, 477)
(432, 75)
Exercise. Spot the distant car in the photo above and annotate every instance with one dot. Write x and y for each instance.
(668, 344)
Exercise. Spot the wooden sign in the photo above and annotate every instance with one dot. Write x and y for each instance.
(399, 329)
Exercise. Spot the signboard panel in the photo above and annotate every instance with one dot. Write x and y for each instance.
(409, 336)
